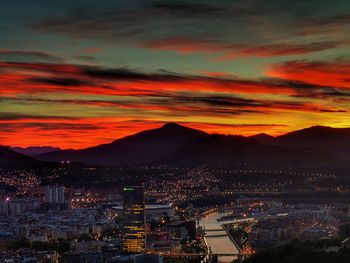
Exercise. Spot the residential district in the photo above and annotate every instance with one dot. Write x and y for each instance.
(167, 214)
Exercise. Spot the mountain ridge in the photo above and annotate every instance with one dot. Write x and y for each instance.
(141, 148)
(33, 150)
(173, 143)
(12, 159)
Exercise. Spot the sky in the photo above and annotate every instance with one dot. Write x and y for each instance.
(74, 74)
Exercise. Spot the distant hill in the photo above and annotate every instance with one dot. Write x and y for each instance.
(334, 141)
(224, 150)
(179, 145)
(142, 148)
(8, 156)
(12, 159)
(34, 150)
(263, 138)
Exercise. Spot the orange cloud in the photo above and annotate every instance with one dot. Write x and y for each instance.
(152, 97)
(334, 74)
(92, 80)
(86, 132)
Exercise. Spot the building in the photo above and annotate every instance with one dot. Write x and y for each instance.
(28, 256)
(55, 194)
(154, 211)
(184, 230)
(96, 257)
(134, 225)
(10, 207)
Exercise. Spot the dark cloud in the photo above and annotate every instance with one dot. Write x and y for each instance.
(145, 23)
(151, 20)
(51, 126)
(114, 24)
(11, 116)
(94, 80)
(323, 24)
(228, 101)
(60, 81)
(179, 105)
(187, 9)
(253, 106)
(128, 74)
(106, 73)
(20, 56)
(239, 125)
(332, 111)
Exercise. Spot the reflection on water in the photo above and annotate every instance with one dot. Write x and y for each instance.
(218, 244)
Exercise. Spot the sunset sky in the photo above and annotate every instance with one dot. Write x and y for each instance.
(78, 73)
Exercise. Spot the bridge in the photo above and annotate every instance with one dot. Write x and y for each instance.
(217, 235)
(199, 254)
(206, 258)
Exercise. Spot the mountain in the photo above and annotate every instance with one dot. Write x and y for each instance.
(226, 150)
(142, 148)
(263, 138)
(34, 150)
(334, 141)
(178, 145)
(10, 158)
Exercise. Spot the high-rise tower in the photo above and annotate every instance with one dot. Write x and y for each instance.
(134, 227)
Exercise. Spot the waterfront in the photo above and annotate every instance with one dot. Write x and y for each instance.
(218, 240)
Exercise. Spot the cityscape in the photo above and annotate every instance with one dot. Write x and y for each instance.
(69, 211)
(174, 131)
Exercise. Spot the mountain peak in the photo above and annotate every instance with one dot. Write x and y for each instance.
(263, 138)
(319, 127)
(318, 131)
(175, 129)
(172, 125)
(261, 135)
(34, 150)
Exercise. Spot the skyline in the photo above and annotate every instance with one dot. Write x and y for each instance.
(74, 75)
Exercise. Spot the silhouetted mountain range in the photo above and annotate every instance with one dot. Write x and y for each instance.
(263, 138)
(12, 159)
(334, 141)
(34, 150)
(226, 150)
(8, 157)
(145, 147)
(175, 144)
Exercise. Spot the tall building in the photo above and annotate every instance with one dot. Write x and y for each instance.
(55, 194)
(10, 207)
(134, 227)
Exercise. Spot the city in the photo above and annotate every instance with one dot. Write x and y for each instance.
(174, 131)
(172, 217)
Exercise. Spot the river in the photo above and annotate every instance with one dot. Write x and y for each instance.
(218, 244)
